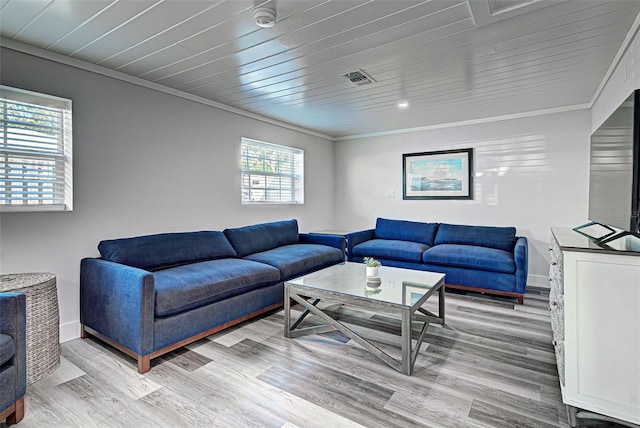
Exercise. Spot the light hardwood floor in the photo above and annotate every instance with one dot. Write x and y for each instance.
(492, 365)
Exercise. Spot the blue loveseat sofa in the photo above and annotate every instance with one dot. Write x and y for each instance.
(149, 295)
(13, 356)
(486, 259)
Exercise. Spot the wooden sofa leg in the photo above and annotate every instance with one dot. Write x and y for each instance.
(144, 363)
(83, 333)
(17, 414)
(521, 299)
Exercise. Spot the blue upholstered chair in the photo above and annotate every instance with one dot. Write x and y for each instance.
(13, 355)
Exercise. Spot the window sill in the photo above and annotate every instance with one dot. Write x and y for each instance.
(33, 208)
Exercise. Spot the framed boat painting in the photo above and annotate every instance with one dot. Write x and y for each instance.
(446, 174)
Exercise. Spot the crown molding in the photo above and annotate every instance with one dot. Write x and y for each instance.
(98, 69)
(469, 122)
(626, 43)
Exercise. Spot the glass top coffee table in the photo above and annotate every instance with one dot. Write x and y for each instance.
(401, 292)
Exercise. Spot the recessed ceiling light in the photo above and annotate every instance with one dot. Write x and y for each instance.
(403, 105)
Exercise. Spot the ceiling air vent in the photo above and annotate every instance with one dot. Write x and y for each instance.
(359, 78)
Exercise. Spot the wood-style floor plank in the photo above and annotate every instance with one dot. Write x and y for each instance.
(498, 417)
(491, 365)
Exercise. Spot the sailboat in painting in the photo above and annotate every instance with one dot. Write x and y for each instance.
(439, 175)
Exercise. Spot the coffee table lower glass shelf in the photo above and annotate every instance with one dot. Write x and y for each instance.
(402, 292)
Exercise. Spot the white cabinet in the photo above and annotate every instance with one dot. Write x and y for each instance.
(595, 317)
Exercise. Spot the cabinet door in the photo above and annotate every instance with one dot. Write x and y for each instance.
(602, 336)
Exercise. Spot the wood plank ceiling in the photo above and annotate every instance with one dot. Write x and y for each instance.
(449, 60)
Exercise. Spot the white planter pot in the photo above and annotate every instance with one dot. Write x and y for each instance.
(372, 271)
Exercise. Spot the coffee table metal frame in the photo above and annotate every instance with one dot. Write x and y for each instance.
(309, 297)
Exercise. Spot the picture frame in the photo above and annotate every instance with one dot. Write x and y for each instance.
(444, 174)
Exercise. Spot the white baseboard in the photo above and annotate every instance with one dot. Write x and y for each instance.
(69, 331)
(538, 281)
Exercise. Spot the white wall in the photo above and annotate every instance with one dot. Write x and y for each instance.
(144, 162)
(531, 173)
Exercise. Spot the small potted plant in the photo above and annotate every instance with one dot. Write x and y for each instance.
(372, 266)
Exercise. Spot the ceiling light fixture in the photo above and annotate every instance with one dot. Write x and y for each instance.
(403, 105)
(264, 17)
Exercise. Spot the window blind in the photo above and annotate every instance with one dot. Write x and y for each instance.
(35, 151)
(271, 173)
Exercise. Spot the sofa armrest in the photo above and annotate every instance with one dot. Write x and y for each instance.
(12, 315)
(521, 257)
(118, 301)
(13, 322)
(355, 238)
(335, 241)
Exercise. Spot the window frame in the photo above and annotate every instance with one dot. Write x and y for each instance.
(296, 174)
(34, 145)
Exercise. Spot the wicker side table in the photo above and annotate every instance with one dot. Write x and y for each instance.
(43, 320)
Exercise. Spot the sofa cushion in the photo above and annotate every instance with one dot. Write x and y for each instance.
(475, 278)
(391, 249)
(7, 348)
(190, 286)
(165, 250)
(299, 259)
(501, 238)
(470, 257)
(262, 237)
(403, 230)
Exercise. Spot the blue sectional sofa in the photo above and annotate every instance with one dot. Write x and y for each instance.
(486, 259)
(149, 295)
(13, 356)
